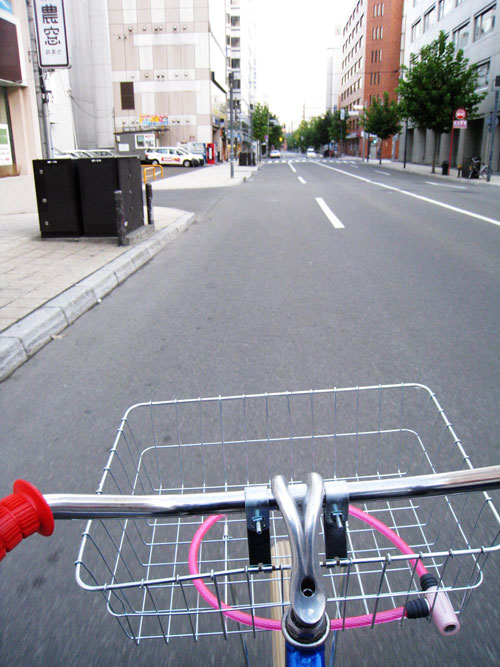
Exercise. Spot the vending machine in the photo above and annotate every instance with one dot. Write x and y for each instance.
(210, 153)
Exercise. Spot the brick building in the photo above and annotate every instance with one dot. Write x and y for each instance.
(371, 56)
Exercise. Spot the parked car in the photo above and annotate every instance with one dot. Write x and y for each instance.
(76, 153)
(274, 155)
(311, 152)
(171, 155)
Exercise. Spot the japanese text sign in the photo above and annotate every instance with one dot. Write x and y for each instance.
(51, 33)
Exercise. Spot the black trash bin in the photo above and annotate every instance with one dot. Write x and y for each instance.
(58, 197)
(445, 167)
(99, 178)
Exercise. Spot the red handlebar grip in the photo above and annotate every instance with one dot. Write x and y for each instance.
(23, 513)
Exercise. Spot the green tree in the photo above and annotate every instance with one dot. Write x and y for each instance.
(338, 126)
(260, 120)
(438, 81)
(382, 119)
(266, 124)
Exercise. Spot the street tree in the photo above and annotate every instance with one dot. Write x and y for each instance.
(438, 81)
(338, 126)
(381, 118)
(266, 124)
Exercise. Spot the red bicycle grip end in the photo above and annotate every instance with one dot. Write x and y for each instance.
(23, 513)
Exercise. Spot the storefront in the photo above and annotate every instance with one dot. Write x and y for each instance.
(19, 128)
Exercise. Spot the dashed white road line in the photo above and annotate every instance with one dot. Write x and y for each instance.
(463, 211)
(301, 180)
(386, 173)
(292, 167)
(446, 185)
(329, 214)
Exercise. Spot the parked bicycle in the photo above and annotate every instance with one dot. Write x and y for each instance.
(478, 171)
(201, 535)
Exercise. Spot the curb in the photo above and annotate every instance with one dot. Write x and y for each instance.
(25, 338)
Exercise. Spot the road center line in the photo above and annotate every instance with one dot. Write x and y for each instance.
(415, 196)
(292, 167)
(329, 214)
(301, 180)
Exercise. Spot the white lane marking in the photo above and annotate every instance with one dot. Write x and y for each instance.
(301, 180)
(329, 214)
(445, 185)
(415, 196)
(292, 167)
(386, 173)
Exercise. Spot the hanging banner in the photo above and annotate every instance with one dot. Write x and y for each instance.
(51, 33)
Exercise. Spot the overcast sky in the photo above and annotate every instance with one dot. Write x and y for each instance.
(292, 41)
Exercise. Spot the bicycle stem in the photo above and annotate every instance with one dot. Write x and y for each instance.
(93, 506)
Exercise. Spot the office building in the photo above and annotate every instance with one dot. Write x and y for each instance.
(474, 26)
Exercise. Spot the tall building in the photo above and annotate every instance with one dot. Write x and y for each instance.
(333, 69)
(240, 51)
(474, 26)
(169, 72)
(371, 54)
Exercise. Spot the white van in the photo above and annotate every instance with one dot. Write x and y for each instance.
(171, 155)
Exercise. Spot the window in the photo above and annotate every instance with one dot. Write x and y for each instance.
(483, 74)
(235, 42)
(461, 36)
(235, 21)
(444, 6)
(430, 18)
(416, 30)
(484, 22)
(127, 95)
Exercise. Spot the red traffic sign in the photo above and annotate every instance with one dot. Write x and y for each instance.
(460, 114)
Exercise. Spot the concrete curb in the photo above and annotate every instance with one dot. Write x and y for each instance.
(25, 338)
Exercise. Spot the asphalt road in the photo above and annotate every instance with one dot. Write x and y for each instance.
(266, 293)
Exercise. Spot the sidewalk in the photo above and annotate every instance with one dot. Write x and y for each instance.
(426, 170)
(46, 284)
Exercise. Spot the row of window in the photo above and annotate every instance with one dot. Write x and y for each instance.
(377, 56)
(357, 66)
(353, 52)
(484, 23)
(378, 32)
(358, 7)
(353, 33)
(378, 9)
(357, 85)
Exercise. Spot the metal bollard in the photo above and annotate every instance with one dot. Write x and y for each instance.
(120, 218)
(149, 203)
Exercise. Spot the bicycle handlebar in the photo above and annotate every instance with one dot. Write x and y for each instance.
(91, 506)
(23, 513)
(27, 511)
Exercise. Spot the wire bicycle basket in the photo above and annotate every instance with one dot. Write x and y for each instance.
(228, 444)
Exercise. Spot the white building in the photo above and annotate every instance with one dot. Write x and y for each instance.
(334, 69)
(240, 51)
(474, 26)
(168, 71)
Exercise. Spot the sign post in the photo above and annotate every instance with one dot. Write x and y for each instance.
(459, 122)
